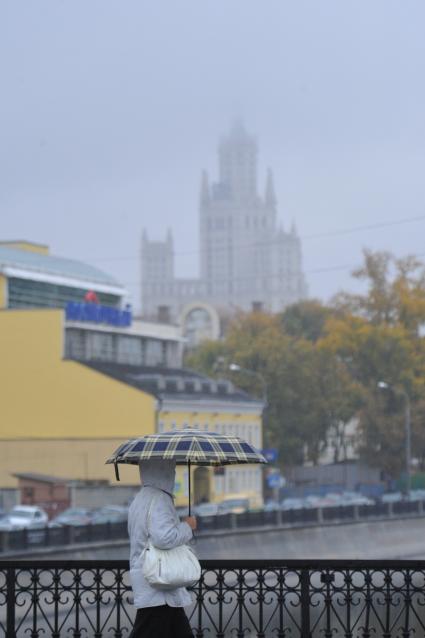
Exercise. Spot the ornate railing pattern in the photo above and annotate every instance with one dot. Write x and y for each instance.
(286, 599)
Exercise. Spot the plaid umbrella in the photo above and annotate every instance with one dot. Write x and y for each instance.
(185, 447)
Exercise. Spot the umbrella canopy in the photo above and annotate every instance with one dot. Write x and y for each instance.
(188, 446)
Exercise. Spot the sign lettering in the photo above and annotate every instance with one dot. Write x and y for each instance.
(95, 313)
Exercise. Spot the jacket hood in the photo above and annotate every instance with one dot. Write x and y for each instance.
(158, 473)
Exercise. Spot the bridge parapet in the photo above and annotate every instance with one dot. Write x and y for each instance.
(301, 599)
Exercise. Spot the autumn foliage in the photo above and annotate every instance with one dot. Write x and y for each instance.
(321, 366)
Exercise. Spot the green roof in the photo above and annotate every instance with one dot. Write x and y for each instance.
(13, 259)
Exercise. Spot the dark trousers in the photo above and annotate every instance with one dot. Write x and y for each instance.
(161, 622)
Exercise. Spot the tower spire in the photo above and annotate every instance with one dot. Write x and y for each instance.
(270, 192)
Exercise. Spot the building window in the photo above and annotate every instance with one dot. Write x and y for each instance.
(24, 293)
(154, 354)
(129, 350)
(75, 344)
(100, 346)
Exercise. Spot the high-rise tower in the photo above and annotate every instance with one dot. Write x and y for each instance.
(245, 256)
(237, 226)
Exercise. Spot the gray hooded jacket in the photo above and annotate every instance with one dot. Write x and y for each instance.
(166, 531)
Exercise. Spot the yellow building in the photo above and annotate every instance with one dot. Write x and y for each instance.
(188, 399)
(76, 379)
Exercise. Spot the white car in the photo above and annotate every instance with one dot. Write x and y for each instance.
(355, 498)
(392, 497)
(24, 517)
(292, 504)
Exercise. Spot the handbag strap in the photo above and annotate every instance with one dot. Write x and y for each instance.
(148, 520)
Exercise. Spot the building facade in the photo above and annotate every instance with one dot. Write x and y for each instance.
(246, 256)
(187, 399)
(65, 409)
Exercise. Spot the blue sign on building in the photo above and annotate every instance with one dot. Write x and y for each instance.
(95, 313)
(274, 480)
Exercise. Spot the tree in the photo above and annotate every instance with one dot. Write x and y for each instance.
(395, 292)
(308, 391)
(322, 366)
(378, 336)
(306, 319)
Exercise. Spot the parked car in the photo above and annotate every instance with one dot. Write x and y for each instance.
(109, 514)
(355, 498)
(233, 506)
(392, 497)
(206, 509)
(292, 504)
(271, 506)
(417, 495)
(76, 516)
(24, 517)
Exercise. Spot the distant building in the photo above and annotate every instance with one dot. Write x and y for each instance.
(188, 399)
(246, 257)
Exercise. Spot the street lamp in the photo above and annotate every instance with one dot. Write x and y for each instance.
(234, 367)
(383, 385)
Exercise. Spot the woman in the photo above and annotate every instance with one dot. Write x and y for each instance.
(160, 612)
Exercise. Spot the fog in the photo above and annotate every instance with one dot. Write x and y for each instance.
(109, 111)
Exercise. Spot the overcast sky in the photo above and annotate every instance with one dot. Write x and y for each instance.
(110, 109)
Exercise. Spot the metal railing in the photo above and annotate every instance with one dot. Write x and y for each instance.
(297, 599)
(29, 539)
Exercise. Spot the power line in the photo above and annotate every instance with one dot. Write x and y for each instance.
(311, 271)
(332, 233)
(355, 229)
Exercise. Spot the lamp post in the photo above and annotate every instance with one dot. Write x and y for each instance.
(383, 385)
(234, 367)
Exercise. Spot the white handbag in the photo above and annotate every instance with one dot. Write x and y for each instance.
(169, 568)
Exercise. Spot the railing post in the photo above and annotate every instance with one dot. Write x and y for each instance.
(71, 534)
(279, 520)
(305, 603)
(10, 607)
(4, 541)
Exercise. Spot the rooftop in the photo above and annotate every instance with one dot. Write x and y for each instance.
(25, 263)
(39, 478)
(173, 383)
